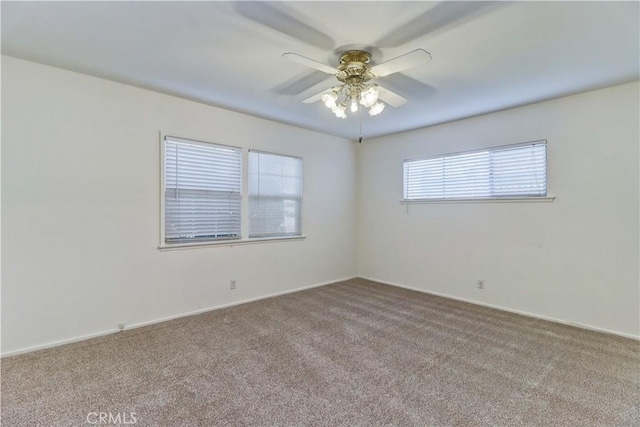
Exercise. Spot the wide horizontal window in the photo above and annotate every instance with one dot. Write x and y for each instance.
(202, 191)
(501, 172)
(275, 195)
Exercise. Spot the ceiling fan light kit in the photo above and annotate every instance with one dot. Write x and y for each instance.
(355, 73)
(337, 98)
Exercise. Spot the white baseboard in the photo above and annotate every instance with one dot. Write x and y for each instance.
(218, 307)
(163, 319)
(58, 343)
(510, 310)
(231, 304)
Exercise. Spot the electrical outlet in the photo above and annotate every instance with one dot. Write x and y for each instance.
(233, 284)
(480, 284)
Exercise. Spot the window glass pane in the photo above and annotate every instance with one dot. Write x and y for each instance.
(515, 171)
(275, 195)
(202, 191)
(520, 171)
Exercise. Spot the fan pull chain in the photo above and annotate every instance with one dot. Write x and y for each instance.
(360, 118)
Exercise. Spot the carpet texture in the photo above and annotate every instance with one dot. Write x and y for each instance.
(351, 353)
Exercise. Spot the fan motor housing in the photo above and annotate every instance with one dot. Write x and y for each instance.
(354, 67)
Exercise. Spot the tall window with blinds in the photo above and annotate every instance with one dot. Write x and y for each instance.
(503, 172)
(275, 195)
(202, 191)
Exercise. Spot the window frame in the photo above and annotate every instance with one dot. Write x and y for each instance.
(244, 205)
(163, 153)
(481, 199)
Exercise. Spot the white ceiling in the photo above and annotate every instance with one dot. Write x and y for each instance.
(487, 56)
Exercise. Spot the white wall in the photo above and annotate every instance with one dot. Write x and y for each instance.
(80, 211)
(80, 200)
(574, 260)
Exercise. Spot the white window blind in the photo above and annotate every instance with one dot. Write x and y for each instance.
(275, 195)
(202, 191)
(511, 171)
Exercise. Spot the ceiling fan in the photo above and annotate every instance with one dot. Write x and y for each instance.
(355, 73)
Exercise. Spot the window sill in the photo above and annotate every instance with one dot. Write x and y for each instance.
(237, 242)
(480, 200)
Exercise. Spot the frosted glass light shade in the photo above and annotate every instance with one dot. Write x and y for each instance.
(369, 97)
(338, 110)
(376, 109)
(329, 99)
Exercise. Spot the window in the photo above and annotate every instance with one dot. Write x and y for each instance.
(510, 171)
(275, 195)
(202, 191)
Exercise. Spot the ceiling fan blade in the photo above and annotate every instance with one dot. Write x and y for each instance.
(301, 84)
(309, 62)
(403, 84)
(274, 17)
(314, 98)
(443, 15)
(401, 63)
(320, 87)
(390, 98)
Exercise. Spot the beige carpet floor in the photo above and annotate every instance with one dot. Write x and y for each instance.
(351, 353)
